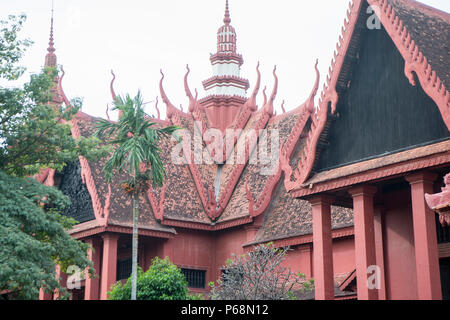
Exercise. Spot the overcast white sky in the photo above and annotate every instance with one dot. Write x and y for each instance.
(136, 38)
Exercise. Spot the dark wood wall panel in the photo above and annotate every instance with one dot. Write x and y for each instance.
(379, 112)
(72, 186)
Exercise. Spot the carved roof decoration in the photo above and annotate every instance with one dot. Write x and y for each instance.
(440, 202)
(195, 195)
(415, 61)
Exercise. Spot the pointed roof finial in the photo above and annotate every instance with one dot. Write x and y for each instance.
(227, 18)
(50, 58)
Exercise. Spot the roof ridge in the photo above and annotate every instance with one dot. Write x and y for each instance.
(433, 10)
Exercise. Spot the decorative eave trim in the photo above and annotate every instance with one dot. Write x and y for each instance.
(414, 59)
(285, 153)
(207, 227)
(304, 239)
(121, 229)
(328, 96)
(101, 213)
(157, 207)
(440, 202)
(239, 168)
(227, 56)
(373, 174)
(221, 98)
(227, 80)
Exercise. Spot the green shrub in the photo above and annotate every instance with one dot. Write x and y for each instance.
(162, 281)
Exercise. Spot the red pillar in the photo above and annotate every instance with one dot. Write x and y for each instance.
(364, 239)
(92, 284)
(379, 250)
(425, 240)
(167, 249)
(109, 263)
(62, 278)
(322, 248)
(44, 295)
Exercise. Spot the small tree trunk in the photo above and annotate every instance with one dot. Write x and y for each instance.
(135, 246)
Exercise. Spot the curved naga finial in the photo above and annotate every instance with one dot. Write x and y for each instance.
(192, 100)
(264, 94)
(113, 94)
(268, 105)
(251, 102)
(111, 86)
(60, 89)
(156, 107)
(107, 111)
(170, 109)
(275, 85)
(282, 107)
(310, 102)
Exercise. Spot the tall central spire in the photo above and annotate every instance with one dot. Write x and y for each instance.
(227, 18)
(226, 63)
(50, 58)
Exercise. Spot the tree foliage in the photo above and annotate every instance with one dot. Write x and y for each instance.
(136, 141)
(33, 238)
(162, 281)
(34, 134)
(259, 275)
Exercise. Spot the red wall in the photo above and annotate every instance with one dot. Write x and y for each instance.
(398, 238)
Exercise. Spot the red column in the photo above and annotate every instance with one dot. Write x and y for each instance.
(167, 249)
(322, 248)
(92, 286)
(109, 263)
(62, 278)
(43, 295)
(364, 239)
(379, 251)
(425, 241)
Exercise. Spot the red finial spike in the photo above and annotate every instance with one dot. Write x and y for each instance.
(275, 85)
(265, 97)
(156, 107)
(111, 86)
(227, 18)
(60, 89)
(107, 111)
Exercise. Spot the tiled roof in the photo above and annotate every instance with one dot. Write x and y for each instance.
(430, 29)
(120, 208)
(186, 195)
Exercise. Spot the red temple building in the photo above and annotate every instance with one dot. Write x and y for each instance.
(347, 192)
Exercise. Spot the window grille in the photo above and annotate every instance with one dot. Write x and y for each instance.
(124, 268)
(443, 233)
(195, 278)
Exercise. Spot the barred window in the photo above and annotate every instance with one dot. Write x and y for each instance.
(124, 268)
(195, 278)
(443, 233)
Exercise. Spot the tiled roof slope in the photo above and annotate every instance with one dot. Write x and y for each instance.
(430, 29)
(111, 196)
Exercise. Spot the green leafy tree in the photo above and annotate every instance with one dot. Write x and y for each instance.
(33, 238)
(34, 134)
(259, 275)
(162, 281)
(136, 140)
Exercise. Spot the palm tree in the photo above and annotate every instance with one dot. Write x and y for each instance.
(135, 138)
